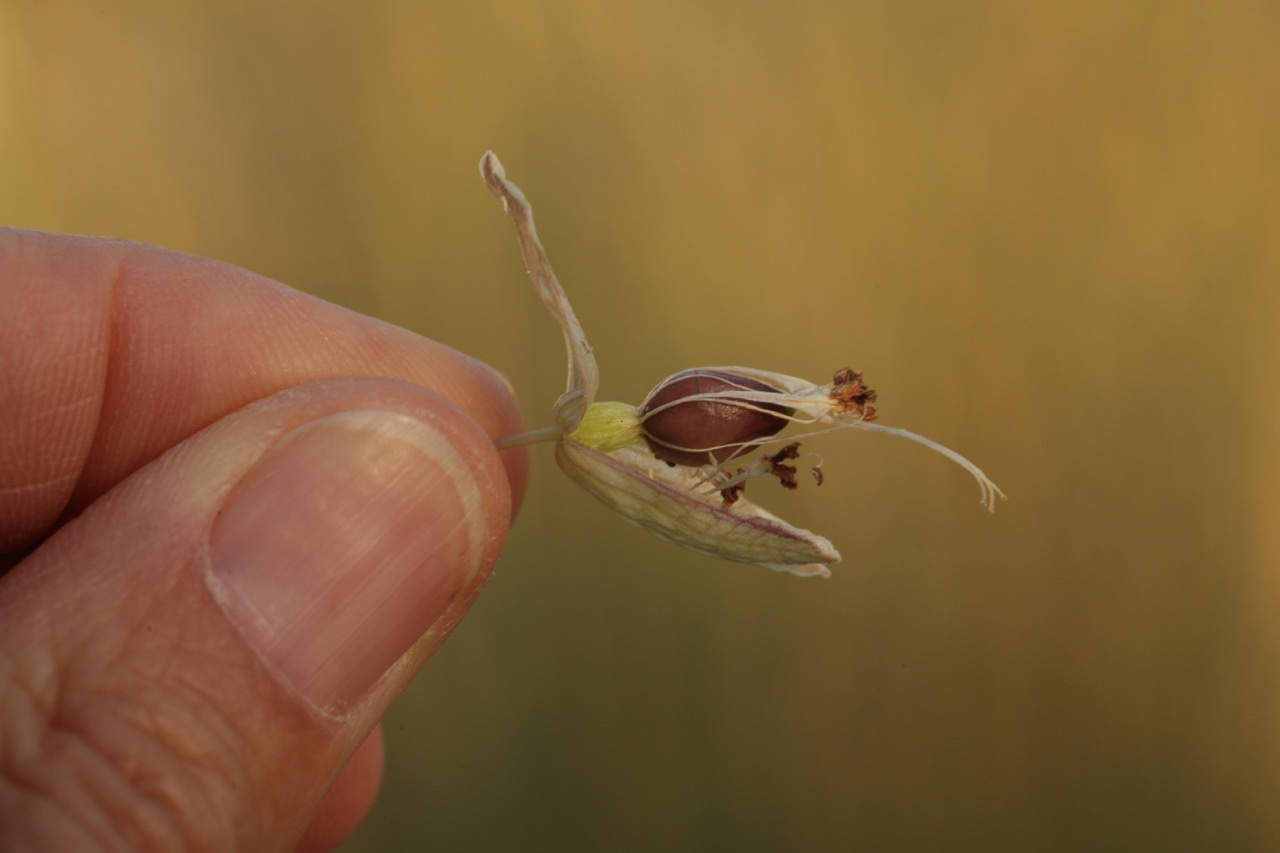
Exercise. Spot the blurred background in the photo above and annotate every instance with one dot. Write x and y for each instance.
(1049, 233)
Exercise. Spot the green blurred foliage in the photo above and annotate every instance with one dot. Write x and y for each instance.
(1046, 231)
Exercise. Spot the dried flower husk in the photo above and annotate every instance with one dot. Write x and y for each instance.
(658, 465)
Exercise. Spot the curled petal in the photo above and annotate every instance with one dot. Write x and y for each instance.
(677, 504)
(584, 376)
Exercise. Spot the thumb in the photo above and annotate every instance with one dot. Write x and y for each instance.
(193, 659)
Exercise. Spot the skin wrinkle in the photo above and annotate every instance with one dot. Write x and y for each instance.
(72, 752)
(85, 751)
(39, 487)
(56, 486)
(56, 756)
(62, 373)
(96, 393)
(186, 708)
(121, 392)
(78, 750)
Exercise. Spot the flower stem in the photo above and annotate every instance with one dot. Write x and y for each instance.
(534, 437)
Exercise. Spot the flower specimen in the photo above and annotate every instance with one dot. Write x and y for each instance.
(678, 463)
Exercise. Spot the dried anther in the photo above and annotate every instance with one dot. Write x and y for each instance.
(786, 474)
(730, 494)
(847, 389)
(694, 421)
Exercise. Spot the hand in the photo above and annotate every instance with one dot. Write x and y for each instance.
(236, 520)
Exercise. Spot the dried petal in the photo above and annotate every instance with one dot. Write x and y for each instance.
(584, 376)
(675, 504)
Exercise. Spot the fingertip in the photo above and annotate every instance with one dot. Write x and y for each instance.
(351, 537)
(488, 395)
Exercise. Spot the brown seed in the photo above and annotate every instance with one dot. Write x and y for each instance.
(696, 431)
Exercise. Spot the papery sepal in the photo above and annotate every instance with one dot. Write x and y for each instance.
(677, 504)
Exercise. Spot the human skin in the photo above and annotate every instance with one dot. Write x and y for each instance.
(235, 521)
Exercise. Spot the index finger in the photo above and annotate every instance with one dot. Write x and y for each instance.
(111, 352)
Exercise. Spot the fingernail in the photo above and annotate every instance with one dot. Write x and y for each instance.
(343, 545)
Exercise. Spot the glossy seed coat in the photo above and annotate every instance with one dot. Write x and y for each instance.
(692, 418)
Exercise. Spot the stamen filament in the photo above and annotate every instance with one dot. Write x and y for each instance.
(990, 491)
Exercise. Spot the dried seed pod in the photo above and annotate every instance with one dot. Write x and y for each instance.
(696, 417)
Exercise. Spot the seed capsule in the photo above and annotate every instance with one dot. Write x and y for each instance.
(695, 417)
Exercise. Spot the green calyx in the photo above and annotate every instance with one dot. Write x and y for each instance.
(608, 426)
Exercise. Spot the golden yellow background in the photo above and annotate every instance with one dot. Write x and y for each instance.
(1048, 232)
